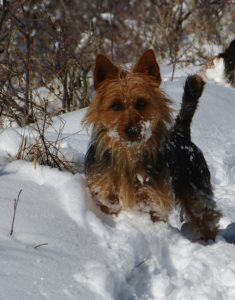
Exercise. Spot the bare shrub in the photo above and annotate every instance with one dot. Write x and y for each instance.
(53, 44)
(48, 48)
(40, 149)
(42, 45)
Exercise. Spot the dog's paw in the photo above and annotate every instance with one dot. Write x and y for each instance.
(190, 233)
(194, 85)
(195, 234)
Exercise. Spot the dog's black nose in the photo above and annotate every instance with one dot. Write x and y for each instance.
(131, 131)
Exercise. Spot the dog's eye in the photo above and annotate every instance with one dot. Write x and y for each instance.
(117, 106)
(141, 103)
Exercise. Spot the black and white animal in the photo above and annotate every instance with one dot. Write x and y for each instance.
(221, 68)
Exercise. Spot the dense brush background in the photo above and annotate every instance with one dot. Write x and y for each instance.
(53, 44)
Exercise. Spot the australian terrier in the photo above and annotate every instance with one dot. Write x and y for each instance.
(137, 158)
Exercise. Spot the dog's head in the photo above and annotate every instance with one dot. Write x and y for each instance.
(128, 106)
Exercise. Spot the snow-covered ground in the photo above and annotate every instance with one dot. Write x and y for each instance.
(62, 247)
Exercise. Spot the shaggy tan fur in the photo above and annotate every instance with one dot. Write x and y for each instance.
(129, 100)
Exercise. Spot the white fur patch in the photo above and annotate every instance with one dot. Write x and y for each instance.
(216, 70)
(146, 130)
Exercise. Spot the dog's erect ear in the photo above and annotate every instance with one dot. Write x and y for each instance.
(148, 65)
(104, 69)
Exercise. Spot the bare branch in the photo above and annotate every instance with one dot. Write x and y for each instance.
(40, 245)
(16, 201)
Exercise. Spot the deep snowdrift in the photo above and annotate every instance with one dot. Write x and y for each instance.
(63, 248)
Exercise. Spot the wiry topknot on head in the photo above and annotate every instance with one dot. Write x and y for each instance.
(105, 69)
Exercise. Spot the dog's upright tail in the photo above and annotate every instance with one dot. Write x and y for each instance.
(192, 92)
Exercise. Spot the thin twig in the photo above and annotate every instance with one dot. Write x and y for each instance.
(130, 276)
(40, 245)
(16, 201)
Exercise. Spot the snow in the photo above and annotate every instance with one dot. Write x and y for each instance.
(53, 92)
(63, 247)
(107, 17)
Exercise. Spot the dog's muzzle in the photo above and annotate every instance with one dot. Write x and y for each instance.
(132, 132)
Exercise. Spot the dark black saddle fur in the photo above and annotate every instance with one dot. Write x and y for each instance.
(188, 168)
(229, 62)
(185, 160)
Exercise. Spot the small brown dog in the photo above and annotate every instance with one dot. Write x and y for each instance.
(126, 163)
